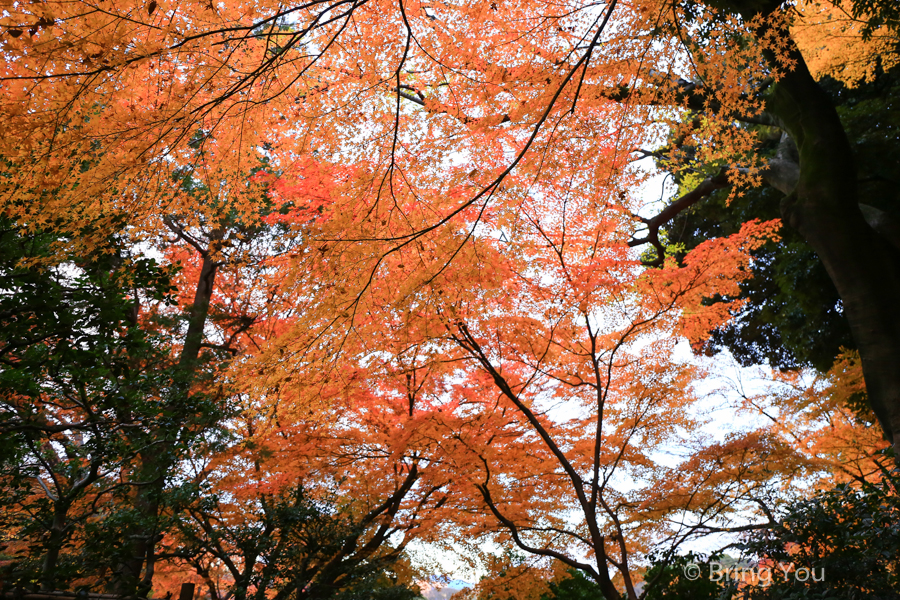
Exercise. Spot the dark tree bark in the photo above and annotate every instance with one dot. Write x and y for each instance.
(58, 533)
(825, 208)
(858, 247)
(55, 539)
(135, 575)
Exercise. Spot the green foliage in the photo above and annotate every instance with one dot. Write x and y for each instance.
(377, 586)
(67, 374)
(793, 316)
(848, 536)
(685, 577)
(87, 391)
(577, 586)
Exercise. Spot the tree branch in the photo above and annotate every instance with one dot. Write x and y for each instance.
(706, 187)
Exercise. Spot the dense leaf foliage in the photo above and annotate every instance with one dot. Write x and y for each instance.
(848, 537)
(793, 315)
(294, 289)
(686, 576)
(81, 389)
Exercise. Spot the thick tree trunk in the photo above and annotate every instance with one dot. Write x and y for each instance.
(155, 465)
(607, 587)
(824, 208)
(129, 581)
(55, 540)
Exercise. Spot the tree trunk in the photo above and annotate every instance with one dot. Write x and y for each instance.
(199, 310)
(824, 208)
(54, 544)
(155, 465)
(129, 581)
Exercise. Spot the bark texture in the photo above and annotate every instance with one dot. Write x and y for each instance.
(135, 575)
(825, 208)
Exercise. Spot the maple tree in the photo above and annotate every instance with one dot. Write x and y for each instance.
(825, 418)
(315, 496)
(634, 402)
(561, 321)
(458, 101)
(332, 177)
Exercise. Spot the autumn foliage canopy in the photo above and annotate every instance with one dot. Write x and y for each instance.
(295, 288)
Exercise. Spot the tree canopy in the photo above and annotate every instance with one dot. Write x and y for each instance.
(289, 288)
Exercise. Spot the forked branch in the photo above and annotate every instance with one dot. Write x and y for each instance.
(706, 187)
